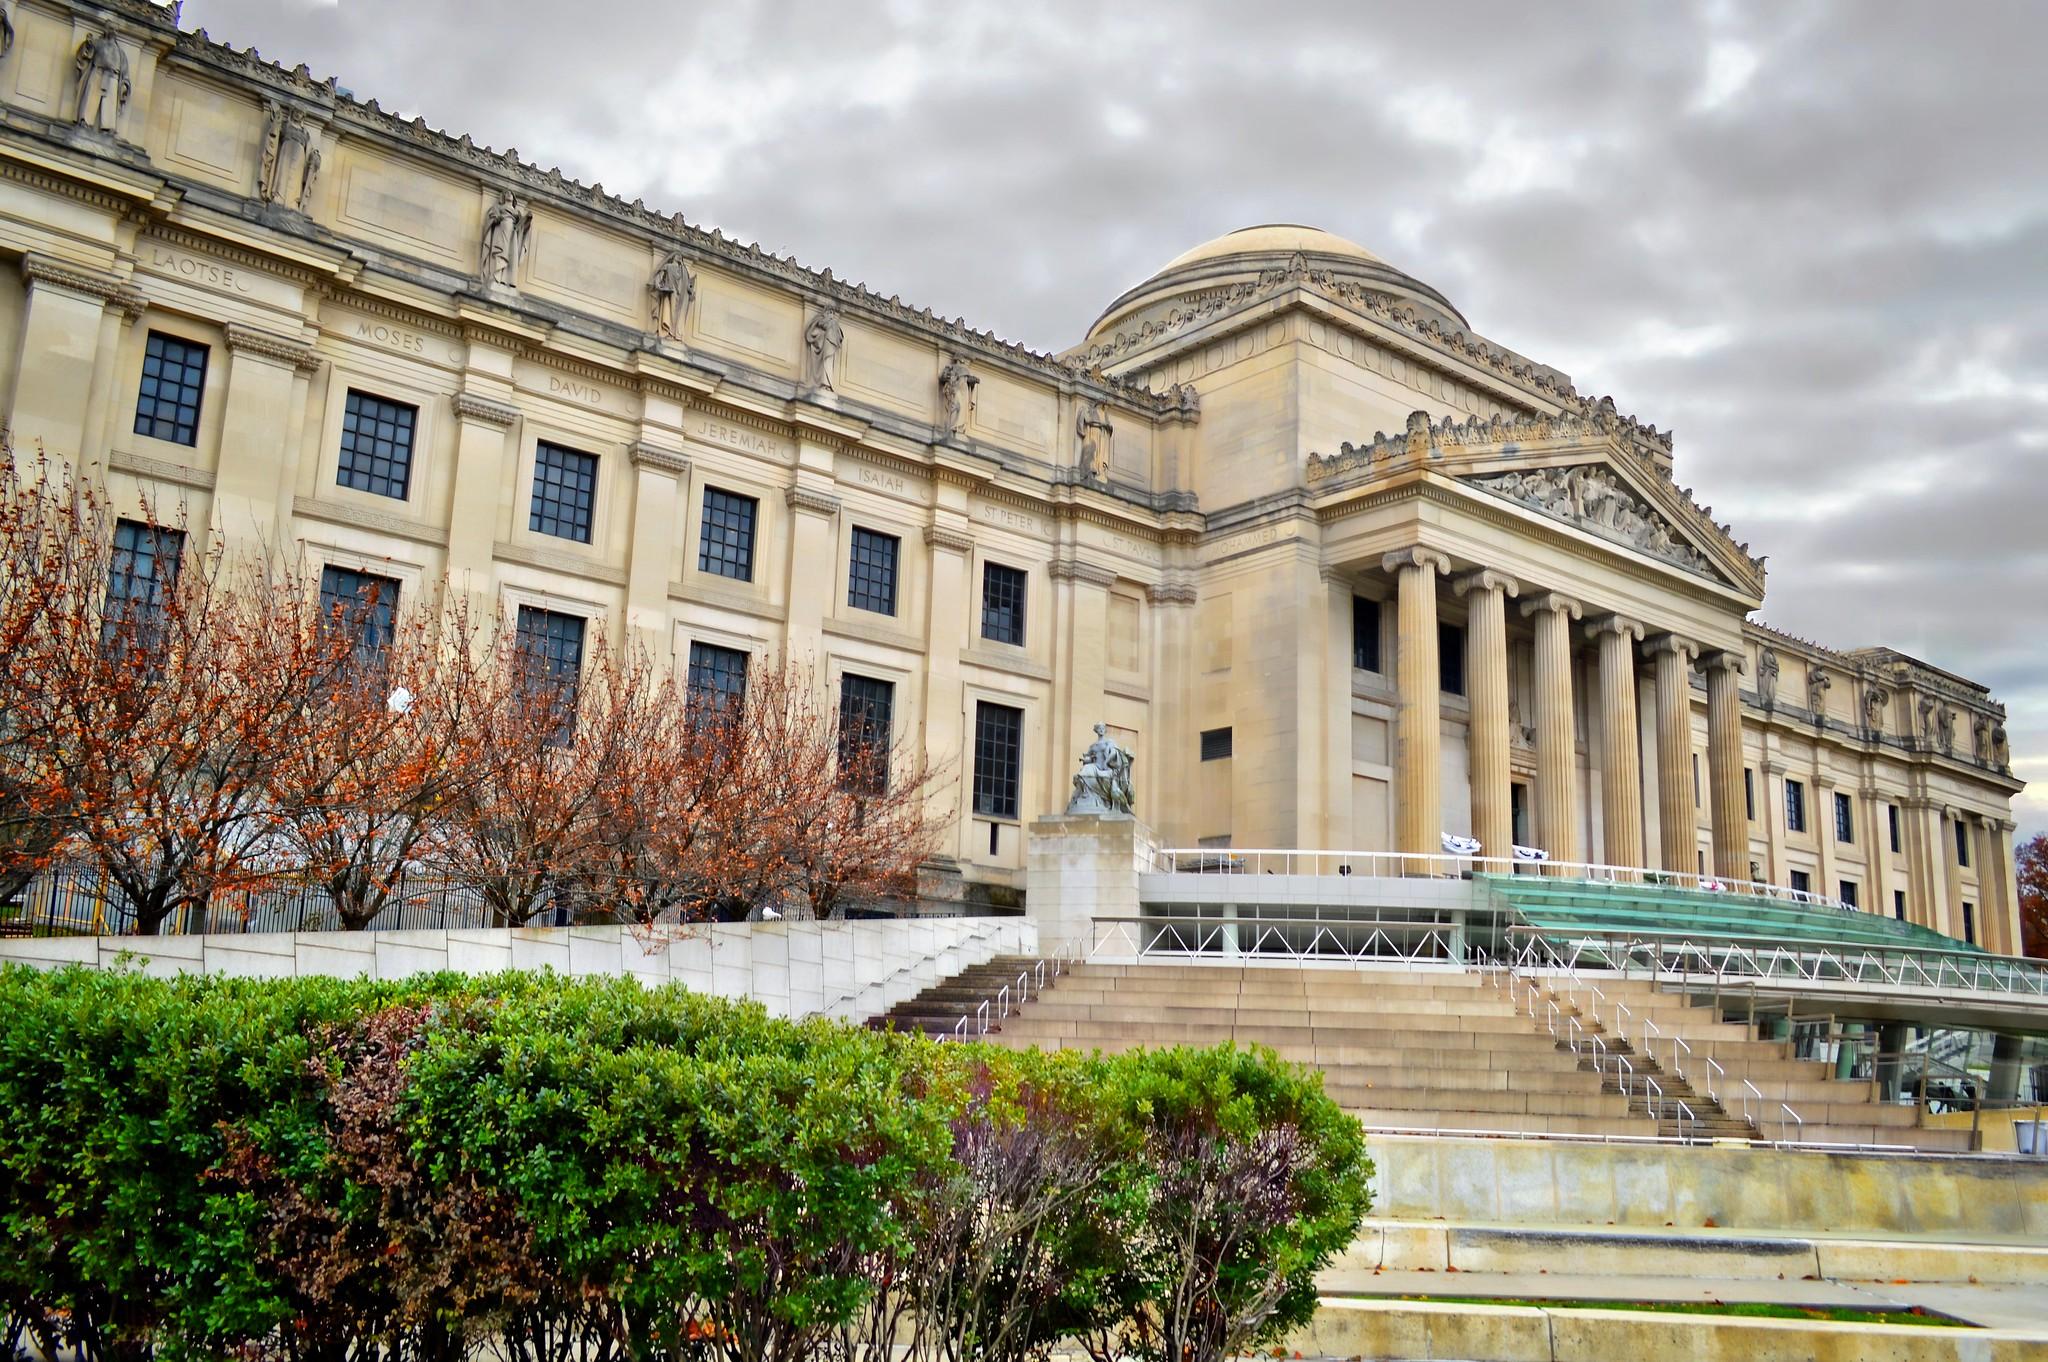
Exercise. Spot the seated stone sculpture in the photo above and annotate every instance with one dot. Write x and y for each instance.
(1103, 784)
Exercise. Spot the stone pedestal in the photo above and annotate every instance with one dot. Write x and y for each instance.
(1082, 867)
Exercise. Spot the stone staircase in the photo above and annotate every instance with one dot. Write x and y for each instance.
(1435, 1050)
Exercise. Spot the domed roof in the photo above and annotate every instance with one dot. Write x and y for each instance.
(1241, 256)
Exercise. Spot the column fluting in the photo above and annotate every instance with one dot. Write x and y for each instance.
(1724, 760)
(1556, 730)
(1621, 764)
(1677, 825)
(1418, 757)
(1486, 687)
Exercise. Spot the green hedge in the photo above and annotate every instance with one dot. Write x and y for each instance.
(327, 1169)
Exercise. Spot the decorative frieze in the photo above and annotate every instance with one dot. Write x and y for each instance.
(471, 408)
(1591, 497)
(269, 345)
(817, 503)
(939, 537)
(645, 455)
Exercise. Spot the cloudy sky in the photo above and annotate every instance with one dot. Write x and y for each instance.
(1812, 237)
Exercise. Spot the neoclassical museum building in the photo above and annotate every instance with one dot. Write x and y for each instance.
(1339, 571)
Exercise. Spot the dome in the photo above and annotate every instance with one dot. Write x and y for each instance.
(1241, 256)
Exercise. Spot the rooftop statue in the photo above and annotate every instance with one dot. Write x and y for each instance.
(1103, 784)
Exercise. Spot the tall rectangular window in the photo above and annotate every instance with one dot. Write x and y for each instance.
(1970, 923)
(376, 446)
(362, 604)
(1002, 604)
(1215, 744)
(725, 541)
(1365, 634)
(998, 759)
(1802, 883)
(1748, 791)
(1845, 818)
(716, 681)
(1450, 658)
(1695, 780)
(867, 714)
(142, 571)
(550, 644)
(564, 492)
(1962, 843)
(173, 376)
(1848, 894)
(1892, 817)
(871, 573)
(1899, 904)
(1795, 806)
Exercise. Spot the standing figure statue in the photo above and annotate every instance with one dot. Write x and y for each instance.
(1092, 434)
(290, 160)
(957, 383)
(103, 83)
(507, 223)
(822, 339)
(1767, 677)
(6, 30)
(674, 288)
(1103, 784)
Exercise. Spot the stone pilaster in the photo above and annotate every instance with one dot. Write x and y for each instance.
(1486, 688)
(1724, 761)
(1621, 766)
(813, 575)
(484, 429)
(258, 462)
(2002, 870)
(63, 317)
(1081, 660)
(659, 476)
(1677, 825)
(949, 551)
(1877, 848)
(1418, 760)
(1557, 796)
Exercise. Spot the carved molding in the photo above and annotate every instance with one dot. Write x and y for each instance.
(1672, 643)
(645, 455)
(270, 345)
(1614, 624)
(1724, 660)
(939, 537)
(804, 499)
(42, 269)
(336, 513)
(160, 470)
(471, 408)
(1172, 591)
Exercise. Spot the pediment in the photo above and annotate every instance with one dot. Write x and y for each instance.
(1597, 498)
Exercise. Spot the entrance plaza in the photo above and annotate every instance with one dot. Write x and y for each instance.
(1644, 939)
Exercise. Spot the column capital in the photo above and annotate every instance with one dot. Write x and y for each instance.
(645, 455)
(1073, 569)
(1416, 557)
(1724, 660)
(1486, 579)
(108, 288)
(1552, 600)
(1686, 649)
(940, 537)
(471, 408)
(804, 499)
(1173, 591)
(269, 345)
(2006, 824)
(1614, 624)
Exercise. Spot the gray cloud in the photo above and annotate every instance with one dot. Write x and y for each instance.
(1808, 236)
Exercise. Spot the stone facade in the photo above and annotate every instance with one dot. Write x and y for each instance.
(1196, 501)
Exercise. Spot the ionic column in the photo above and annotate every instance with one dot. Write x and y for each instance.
(1557, 797)
(1486, 687)
(1677, 828)
(1724, 759)
(2006, 873)
(1621, 764)
(1418, 760)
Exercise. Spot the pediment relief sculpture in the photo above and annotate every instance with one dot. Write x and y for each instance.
(1591, 497)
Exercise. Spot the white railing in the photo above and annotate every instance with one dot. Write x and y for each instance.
(995, 1008)
(1191, 939)
(1412, 865)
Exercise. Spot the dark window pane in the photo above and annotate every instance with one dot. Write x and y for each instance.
(998, 759)
(717, 677)
(361, 603)
(1802, 883)
(1848, 894)
(376, 446)
(1215, 744)
(1845, 818)
(1450, 658)
(1748, 791)
(1365, 634)
(866, 719)
(1899, 904)
(1970, 923)
(1795, 806)
(551, 655)
(173, 376)
(725, 545)
(871, 575)
(141, 573)
(1962, 842)
(1892, 817)
(1002, 604)
(564, 492)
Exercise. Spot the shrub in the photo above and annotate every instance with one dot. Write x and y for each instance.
(317, 1169)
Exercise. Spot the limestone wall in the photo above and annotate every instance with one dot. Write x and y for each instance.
(848, 970)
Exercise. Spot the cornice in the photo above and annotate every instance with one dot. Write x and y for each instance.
(186, 236)
(270, 345)
(471, 408)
